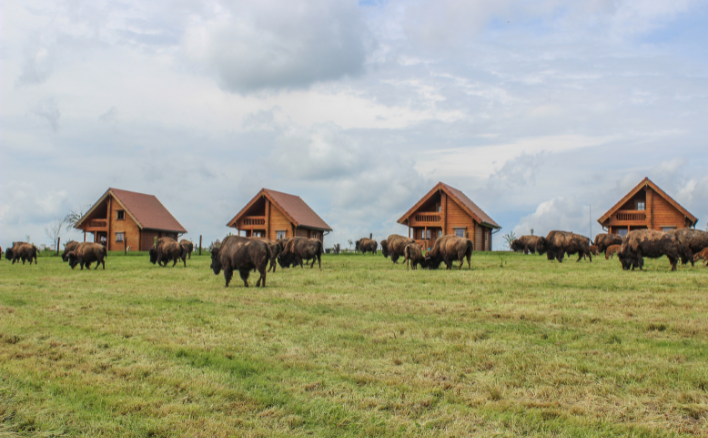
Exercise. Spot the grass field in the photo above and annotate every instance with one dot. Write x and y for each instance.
(518, 346)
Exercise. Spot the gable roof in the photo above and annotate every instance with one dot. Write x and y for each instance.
(293, 207)
(462, 200)
(646, 182)
(146, 210)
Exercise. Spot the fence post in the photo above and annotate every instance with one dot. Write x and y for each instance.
(200, 244)
(125, 245)
(58, 242)
(371, 235)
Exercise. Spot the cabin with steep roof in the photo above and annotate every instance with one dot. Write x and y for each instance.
(445, 210)
(276, 215)
(646, 206)
(128, 220)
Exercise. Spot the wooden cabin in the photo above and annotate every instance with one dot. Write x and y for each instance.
(276, 215)
(646, 206)
(123, 219)
(447, 211)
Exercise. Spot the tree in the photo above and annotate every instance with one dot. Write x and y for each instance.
(59, 226)
(532, 231)
(350, 243)
(508, 238)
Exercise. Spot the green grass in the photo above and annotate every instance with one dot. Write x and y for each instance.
(518, 346)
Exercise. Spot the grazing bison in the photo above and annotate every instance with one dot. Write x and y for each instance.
(525, 244)
(86, 253)
(68, 247)
(414, 255)
(188, 247)
(22, 251)
(703, 254)
(604, 241)
(395, 246)
(275, 249)
(691, 241)
(648, 243)
(448, 249)
(298, 249)
(241, 254)
(366, 245)
(166, 250)
(611, 251)
(558, 243)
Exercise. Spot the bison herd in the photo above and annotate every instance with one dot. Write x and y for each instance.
(686, 244)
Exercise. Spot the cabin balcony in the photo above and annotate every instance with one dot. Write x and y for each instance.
(96, 225)
(426, 220)
(629, 217)
(251, 222)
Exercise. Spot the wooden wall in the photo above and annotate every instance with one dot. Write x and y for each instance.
(127, 225)
(666, 215)
(457, 218)
(278, 222)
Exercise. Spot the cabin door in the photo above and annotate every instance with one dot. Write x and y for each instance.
(101, 237)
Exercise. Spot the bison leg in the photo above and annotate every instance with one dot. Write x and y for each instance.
(312, 265)
(103, 262)
(673, 262)
(228, 275)
(244, 276)
(560, 257)
(319, 261)
(262, 271)
(97, 265)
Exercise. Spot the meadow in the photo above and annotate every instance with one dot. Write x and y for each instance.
(518, 346)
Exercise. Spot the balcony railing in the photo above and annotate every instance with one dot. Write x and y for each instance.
(630, 215)
(428, 217)
(254, 220)
(98, 223)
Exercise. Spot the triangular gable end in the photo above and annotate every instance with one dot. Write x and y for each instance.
(99, 202)
(263, 192)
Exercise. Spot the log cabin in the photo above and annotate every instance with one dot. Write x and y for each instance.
(646, 206)
(446, 210)
(276, 215)
(130, 221)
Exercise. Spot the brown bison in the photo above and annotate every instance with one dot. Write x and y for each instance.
(525, 244)
(395, 246)
(611, 251)
(275, 249)
(86, 253)
(298, 249)
(558, 243)
(604, 241)
(448, 249)
(22, 251)
(241, 254)
(188, 247)
(648, 243)
(166, 250)
(68, 247)
(414, 255)
(703, 254)
(691, 241)
(366, 245)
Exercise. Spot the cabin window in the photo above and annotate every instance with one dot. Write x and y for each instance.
(428, 235)
(120, 215)
(641, 205)
(665, 229)
(439, 209)
(120, 237)
(280, 235)
(459, 232)
(622, 232)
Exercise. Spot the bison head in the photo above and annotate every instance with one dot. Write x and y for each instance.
(73, 259)
(286, 260)
(384, 247)
(432, 261)
(516, 245)
(215, 260)
(542, 245)
(8, 254)
(153, 255)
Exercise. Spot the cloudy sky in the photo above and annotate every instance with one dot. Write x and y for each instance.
(537, 110)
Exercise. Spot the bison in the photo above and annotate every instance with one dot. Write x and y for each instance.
(298, 249)
(604, 241)
(448, 249)
(648, 243)
(86, 253)
(68, 247)
(395, 246)
(165, 250)
(414, 255)
(611, 251)
(366, 245)
(558, 243)
(241, 254)
(691, 241)
(275, 249)
(525, 244)
(703, 254)
(22, 251)
(188, 247)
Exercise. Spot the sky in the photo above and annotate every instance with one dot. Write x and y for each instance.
(544, 113)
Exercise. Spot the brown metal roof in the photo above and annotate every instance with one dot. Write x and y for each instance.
(466, 203)
(293, 207)
(147, 211)
(644, 183)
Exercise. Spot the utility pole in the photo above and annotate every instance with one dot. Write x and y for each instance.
(590, 217)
